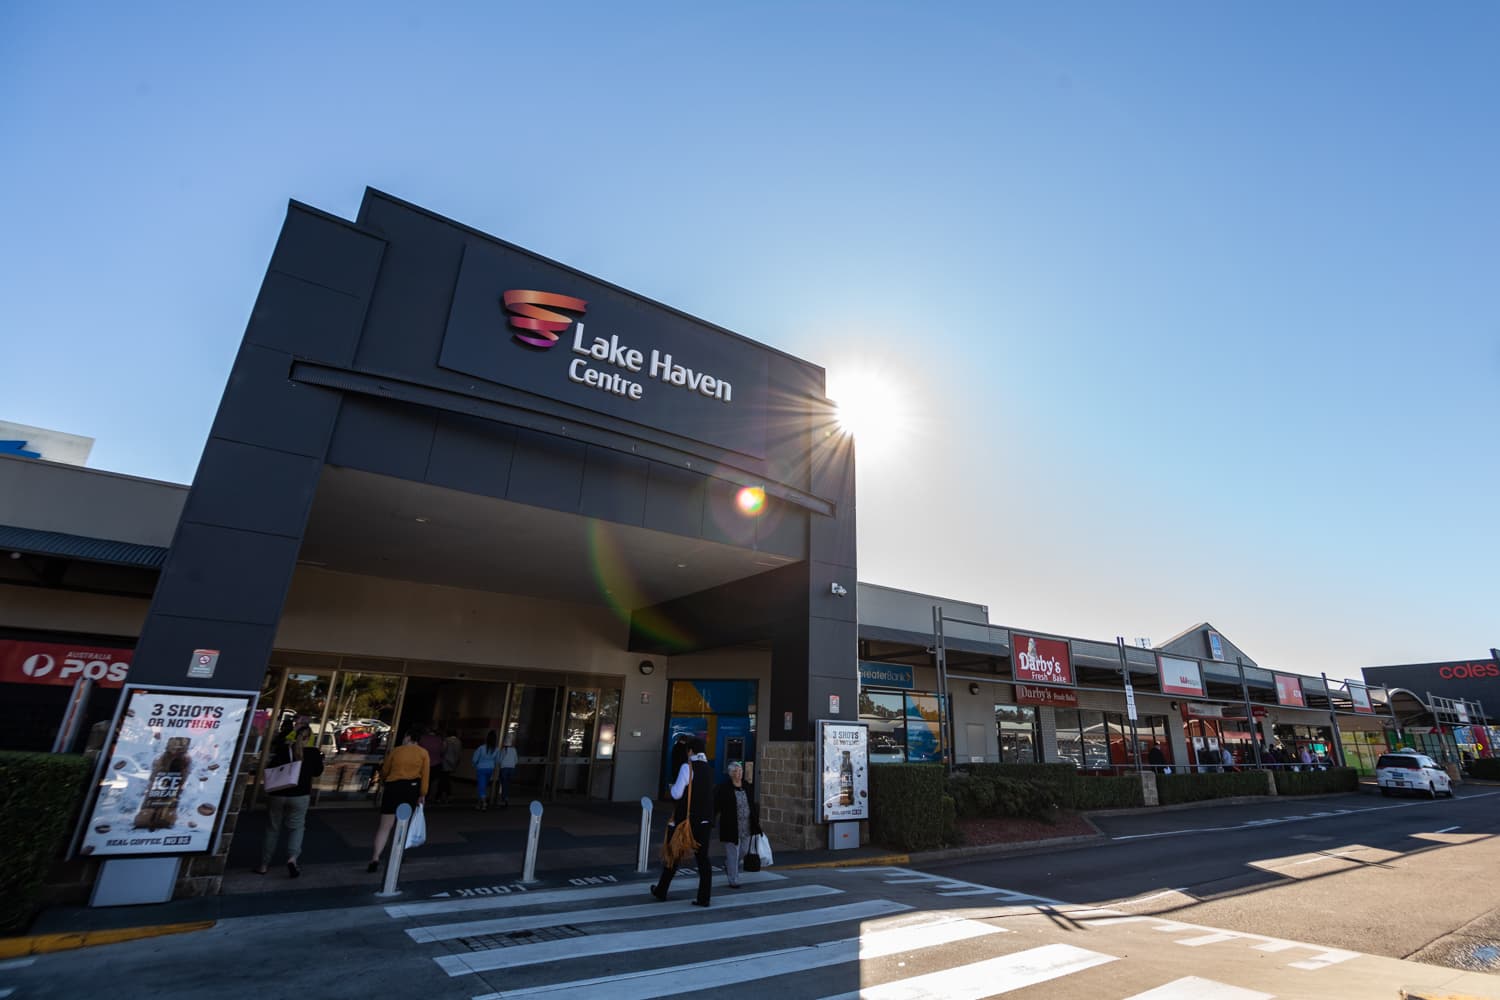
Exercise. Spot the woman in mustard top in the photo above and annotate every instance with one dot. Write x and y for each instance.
(403, 778)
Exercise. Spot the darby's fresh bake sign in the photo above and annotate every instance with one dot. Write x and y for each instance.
(540, 320)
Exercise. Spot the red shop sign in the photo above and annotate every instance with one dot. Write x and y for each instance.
(1289, 691)
(1027, 694)
(56, 663)
(1044, 661)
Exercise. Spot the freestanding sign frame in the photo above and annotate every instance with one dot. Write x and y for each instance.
(843, 791)
(155, 797)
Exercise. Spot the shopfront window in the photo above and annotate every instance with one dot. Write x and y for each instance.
(904, 726)
(1018, 734)
(722, 714)
(1149, 729)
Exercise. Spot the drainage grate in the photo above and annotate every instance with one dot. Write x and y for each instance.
(486, 942)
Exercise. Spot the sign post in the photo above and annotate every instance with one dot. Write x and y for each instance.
(1135, 741)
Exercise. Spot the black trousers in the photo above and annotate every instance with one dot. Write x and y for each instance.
(705, 870)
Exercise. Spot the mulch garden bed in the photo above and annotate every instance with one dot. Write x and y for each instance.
(1004, 830)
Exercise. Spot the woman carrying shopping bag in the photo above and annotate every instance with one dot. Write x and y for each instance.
(739, 819)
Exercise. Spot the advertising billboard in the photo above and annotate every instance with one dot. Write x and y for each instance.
(162, 783)
(843, 771)
(1180, 676)
(1289, 691)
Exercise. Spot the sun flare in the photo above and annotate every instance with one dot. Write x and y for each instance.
(872, 408)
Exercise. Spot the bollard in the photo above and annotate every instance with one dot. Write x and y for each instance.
(398, 848)
(532, 836)
(645, 848)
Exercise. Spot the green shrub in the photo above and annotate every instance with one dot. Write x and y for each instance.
(1172, 788)
(1016, 797)
(1098, 792)
(39, 797)
(906, 807)
(1339, 779)
(1485, 769)
(973, 795)
(1058, 779)
(951, 833)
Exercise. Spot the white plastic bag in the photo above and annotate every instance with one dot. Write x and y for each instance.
(416, 831)
(761, 846)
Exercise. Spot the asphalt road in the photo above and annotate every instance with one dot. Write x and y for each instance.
(1392, 877)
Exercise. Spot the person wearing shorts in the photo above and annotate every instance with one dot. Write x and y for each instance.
(403, 780)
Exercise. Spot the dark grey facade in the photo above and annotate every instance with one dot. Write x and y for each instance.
(383, 346)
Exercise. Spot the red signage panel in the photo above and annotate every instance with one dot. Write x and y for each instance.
(1289, 691)
(1027, 694)
(57, 663)
(1180, 676)
(1361, 698)
(1044, 661)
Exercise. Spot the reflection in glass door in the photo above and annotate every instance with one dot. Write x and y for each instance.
(577, 744)
(357, 734)
(529, 722)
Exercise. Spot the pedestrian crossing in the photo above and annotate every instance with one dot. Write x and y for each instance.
(882, 934)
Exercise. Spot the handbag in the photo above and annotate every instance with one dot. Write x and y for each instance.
(752, 860)
(760, 849)
(681, 845)
(283, 776)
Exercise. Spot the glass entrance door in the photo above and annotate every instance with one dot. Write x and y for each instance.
(576, 747)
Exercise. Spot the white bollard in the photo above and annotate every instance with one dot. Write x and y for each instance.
(533, 835)
(645, 848)
(398, 849)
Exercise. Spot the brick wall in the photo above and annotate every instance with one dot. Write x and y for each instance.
(784, 785)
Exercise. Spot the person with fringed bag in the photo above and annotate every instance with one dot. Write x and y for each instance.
(688, 833)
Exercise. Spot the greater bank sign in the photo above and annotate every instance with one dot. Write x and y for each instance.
(522, 322)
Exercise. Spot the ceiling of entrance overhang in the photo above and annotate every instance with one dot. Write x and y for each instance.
(393, 528)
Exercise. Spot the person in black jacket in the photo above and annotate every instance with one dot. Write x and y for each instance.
(739, 819)
(698, 776)
(287, 807)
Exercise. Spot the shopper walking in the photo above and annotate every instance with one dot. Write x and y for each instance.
(403, 780)
(508, 760)
(486, 757)
(739, 819)
(286, 808)
(694, 786)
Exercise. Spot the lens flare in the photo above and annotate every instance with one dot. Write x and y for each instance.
(751, 500)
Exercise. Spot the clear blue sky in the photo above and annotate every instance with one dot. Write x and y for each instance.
(1191, 309)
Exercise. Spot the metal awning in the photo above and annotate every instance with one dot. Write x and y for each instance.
(29, 541)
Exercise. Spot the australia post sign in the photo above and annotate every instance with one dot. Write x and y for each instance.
(1043, 661)
(519, 321)
(59, 663)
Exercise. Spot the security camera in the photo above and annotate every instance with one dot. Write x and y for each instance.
(837, 590)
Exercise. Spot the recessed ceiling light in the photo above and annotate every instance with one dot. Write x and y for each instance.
(682, 565)
(422, 520)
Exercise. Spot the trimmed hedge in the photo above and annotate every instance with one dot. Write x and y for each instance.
(1338, 779)
(987, 794)
(1174, 788)
(1485, 768)
(1068, 788)
(1100, 792)
(39, 797)
(907, 809)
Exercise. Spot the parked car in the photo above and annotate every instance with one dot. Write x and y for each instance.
(1412, 772)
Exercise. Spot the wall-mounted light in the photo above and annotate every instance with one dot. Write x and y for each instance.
(647, 667)
(837, 589)
(974, 688)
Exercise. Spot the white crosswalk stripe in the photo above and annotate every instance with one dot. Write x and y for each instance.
(902, 948)
(632, 941)
(988, 978)
(474, 928)
(902, 935)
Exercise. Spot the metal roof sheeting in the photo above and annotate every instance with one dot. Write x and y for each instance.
(99, 550)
